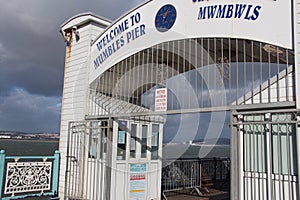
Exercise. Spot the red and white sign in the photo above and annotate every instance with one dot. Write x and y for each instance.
(161, 99)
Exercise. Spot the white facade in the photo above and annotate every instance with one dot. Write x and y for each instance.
(247, 55)
(75, 90)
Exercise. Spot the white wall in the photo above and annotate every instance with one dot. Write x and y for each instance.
(75, 91)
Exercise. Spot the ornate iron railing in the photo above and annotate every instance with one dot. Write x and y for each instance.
(23, 176)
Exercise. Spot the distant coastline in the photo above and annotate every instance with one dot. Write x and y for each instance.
(28, 136)
(30, 140)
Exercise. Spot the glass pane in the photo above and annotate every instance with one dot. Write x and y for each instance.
(121, 152)
(94, 137)
(133, 140)
(144, 141)
(103, 148)
(98, 139)
(154, 141)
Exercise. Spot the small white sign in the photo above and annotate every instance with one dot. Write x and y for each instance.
(138, 182)
(161, 99)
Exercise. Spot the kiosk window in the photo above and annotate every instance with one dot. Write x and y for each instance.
(144, 141)
(103, 148)
(133, 140)
(98, 140)
(121, 152)
(94, 137)
(154, 142)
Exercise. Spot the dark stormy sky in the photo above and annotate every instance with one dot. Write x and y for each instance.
(32, 58)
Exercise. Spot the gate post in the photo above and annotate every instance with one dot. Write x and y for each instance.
(55, 173)
(235, 184)
(2, 164)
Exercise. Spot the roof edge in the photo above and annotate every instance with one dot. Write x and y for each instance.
(86, 14)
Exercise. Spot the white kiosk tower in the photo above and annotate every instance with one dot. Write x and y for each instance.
(102, 157)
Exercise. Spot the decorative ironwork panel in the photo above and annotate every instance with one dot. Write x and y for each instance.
(22, 177)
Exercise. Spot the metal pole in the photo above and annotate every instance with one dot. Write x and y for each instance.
(215, 170)
(235, 184)
(298, 158)
(2, 165)
(200, 174)
(55, 173)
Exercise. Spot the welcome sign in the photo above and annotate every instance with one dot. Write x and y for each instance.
(117, 37)
(155, 22)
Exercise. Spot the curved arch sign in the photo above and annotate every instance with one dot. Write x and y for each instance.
(159, 21)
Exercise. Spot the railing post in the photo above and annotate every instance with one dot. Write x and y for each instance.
(200, 173)
(55, 173)
(228, 169)
(215, 170)
(2, 165)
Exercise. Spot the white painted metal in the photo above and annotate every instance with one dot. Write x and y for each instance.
(268, 164)
(96, 168)
(121, 184)
(278, 89)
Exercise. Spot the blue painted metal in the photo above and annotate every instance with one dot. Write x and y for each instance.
(26, 196)
(29, 157)
(55, 174)
(2, 165)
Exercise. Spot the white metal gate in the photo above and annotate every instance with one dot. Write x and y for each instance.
(266, 158)
(86, 176)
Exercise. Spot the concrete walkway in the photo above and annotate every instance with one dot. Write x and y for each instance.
(188, 197)
(212, 195)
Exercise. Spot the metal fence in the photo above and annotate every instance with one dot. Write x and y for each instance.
(266, 143)
(24, 176)
(194, 174)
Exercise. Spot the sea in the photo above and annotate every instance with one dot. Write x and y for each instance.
(16, 147)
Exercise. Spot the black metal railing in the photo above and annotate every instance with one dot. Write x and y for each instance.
(194, 174)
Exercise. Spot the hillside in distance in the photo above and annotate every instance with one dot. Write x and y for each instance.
(28, 136)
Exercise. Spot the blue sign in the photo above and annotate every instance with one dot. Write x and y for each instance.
(137, 181)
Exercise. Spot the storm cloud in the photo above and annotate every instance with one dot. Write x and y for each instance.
(32, 58)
